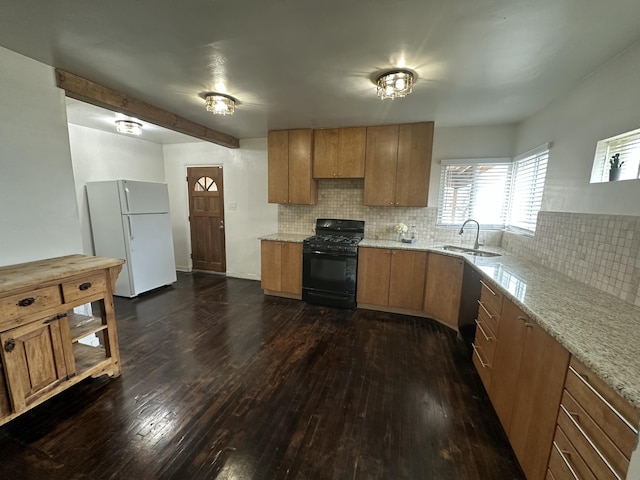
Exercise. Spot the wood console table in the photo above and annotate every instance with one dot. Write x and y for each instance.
(46, 346)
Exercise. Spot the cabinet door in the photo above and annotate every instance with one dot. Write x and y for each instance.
(34, 360)
(302, 186)
(374, 266)
(292, 267)
(278, 166)
(406, 281)
(325, 153)
(415, 143)
(271, 265)
(380, 167)
(540, 383)
(351, 152)
(506, 361)
(443, 288)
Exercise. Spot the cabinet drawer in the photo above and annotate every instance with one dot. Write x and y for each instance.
(24, 304)
(596, 437)
(485, 340)
(483, 368)
(615, 416)
(583, 446)
(491, 295)
(83, 287)
(488, 316)
(565, 462)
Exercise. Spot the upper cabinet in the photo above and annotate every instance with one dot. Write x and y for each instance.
(290, 167)
(398, 165)
(339, 152)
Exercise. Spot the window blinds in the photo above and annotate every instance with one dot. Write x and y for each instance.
(475, 189)
(628, 146)
(527, 185)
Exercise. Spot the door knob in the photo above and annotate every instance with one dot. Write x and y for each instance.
(221, 225)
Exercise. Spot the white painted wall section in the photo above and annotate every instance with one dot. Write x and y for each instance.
(99, 156)
(38, 212)
(245, 185)
(603, 105)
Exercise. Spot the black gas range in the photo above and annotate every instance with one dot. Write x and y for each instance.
(330, 263)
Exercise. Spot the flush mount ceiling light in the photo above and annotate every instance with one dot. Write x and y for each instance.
(220, 104)
(129, 127)
(395, 84)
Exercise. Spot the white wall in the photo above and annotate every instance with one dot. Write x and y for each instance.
(468, 142)
(99, 156)
(604, 104)
(245, 184)
(38, 212)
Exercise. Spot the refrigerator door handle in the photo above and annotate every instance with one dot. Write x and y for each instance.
(126, 197)
(130, 232)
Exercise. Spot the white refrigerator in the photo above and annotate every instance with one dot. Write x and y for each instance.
(130, 220)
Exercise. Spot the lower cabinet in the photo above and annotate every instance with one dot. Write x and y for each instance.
(596, 431)
(391, 278)
(443, 288)
(281, 268)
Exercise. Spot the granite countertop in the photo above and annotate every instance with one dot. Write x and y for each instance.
(599, 329)
(285, 237)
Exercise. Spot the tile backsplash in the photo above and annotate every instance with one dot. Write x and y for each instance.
(602, 251)
(344, 199)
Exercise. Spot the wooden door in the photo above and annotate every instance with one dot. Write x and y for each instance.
(206, 216)
(374, 266)
(406, 284)
(537, 399)
(443, 288)
(415, 142)
(292, 268)
(380, 165)
(352, 144)
(278, 166)
(325, 153)
(34, 360)
(302, 186)
(271, 265)
(506, 361)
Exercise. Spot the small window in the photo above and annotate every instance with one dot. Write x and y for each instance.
(206, 184)
(475, 189)
(527, 185)
(627, 146)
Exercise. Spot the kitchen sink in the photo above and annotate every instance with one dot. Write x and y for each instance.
(470, 251)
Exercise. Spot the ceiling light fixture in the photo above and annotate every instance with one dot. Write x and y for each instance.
(220, 104)
(129, 127)
(395, 84)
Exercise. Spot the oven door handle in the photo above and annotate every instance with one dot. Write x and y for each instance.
(330, 254)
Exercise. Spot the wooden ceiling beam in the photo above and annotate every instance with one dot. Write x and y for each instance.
(87, 91)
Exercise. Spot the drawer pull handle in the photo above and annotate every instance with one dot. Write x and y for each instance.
(475, 349)
(485, 309)
(26, 302)
(582, 378)
(488, 288)
(486, 337)
(9, 345)
(565, 460)
(85, 286)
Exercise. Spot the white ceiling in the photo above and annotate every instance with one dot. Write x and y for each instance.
(302, 63)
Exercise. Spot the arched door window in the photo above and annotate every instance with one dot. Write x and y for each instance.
(205, 184)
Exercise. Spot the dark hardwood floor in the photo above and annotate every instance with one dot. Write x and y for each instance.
(221, 382)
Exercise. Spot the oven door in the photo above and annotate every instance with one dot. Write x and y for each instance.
(330, 271)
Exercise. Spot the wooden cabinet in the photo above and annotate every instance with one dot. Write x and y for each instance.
(398, 165)
(443, 288)
(281, 268)
(390, 277)
(290, 154)
(596, 429)
(46, 346)
(528, 372)
(488, 309)
(339, 152)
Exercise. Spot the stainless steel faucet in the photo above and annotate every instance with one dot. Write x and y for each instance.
(476, 245)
